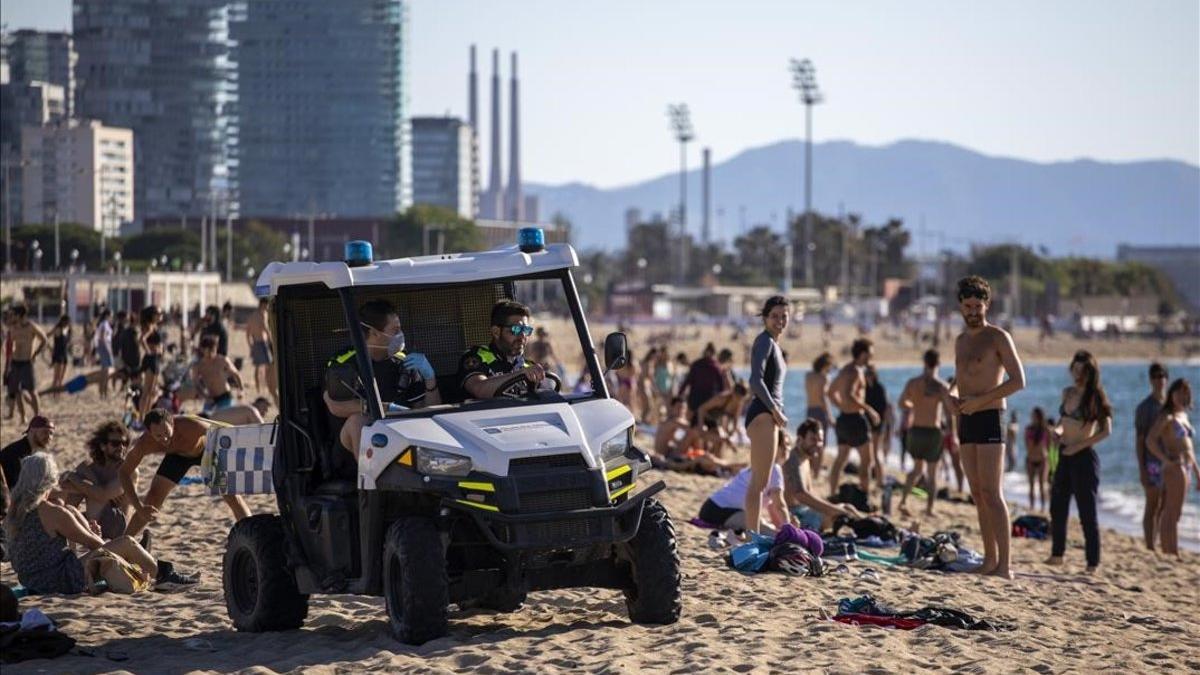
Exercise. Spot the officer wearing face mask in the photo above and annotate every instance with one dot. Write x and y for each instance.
(500, 368)
(403, 378)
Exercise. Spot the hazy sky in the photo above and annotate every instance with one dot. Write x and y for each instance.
(1032, 79)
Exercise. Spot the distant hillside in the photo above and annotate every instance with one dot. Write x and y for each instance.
(1081, 207)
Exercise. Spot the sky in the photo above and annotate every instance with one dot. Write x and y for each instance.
(1042, 81)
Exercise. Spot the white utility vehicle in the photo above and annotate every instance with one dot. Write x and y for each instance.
(474, 502)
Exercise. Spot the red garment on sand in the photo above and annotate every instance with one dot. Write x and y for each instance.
(885, 621)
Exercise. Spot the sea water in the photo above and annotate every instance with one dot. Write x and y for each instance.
(1121, 495)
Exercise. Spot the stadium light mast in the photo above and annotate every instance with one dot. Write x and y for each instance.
(804, 81)
(681, 125)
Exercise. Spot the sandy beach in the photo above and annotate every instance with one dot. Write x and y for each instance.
(1128, 618)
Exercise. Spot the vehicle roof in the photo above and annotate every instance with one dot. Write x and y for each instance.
(450, 268)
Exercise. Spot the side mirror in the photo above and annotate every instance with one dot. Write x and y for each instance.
(616, 351)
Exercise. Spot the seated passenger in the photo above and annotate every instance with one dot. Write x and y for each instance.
(500, 368)
(97, 482)
(404, 379)
(812, 511)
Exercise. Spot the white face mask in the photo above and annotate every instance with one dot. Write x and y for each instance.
(396, 342)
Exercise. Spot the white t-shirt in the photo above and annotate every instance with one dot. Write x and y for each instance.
(733, 494)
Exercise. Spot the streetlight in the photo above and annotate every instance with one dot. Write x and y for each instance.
(37, 260)
(681, 124)
(804, 81)
(74, 257)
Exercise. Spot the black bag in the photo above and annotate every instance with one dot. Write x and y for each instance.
(852, 494)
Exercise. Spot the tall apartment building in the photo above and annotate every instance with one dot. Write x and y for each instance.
(22, 104)
(40, 56)
(445, 164)
(323, 115)
(79, 173)
(164, 70)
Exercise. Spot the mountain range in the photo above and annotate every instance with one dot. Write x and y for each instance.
(1080, 207)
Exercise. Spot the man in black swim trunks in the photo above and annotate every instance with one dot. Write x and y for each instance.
(848, 393)
(983, 356)
(181, 442)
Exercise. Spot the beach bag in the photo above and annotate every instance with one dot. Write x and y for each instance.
(872, 526)
(752, 556)
(121, 576)
(852, 494)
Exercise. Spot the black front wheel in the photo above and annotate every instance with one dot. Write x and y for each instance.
(653, 554)
(260, 591)
(415, 587)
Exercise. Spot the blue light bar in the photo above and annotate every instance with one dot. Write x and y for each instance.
(359, 253)
(531, 239)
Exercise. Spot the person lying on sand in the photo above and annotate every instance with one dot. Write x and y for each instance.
(681, 446)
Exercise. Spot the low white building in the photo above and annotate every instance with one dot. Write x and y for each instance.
(78, 172)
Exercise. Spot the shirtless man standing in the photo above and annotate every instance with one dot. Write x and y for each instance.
(816, 383)
(926, 398)
(258, 336)
(983, 355)
(181, 442)
(212, 373)
(23, 333)
(848, 392)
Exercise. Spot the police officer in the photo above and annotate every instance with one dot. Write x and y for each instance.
(403, 378)
(500, 368)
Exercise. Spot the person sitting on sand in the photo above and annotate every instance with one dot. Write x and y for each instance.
(682, 448)
(181, 442)
(726, 507)
(97, 484)
(718, 417)
(927, 399)
(814, 512)
(37, 437)
(40, 527)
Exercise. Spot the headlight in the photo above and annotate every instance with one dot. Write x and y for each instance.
(615, 447)
(440, 463)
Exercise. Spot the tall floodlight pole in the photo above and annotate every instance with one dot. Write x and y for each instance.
(804, 81)
(681, 125)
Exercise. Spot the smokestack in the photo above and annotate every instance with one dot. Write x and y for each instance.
(495, 182)
(706, 190)
(473, 95)
(515, 202)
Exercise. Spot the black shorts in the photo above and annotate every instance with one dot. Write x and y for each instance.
(174, 467)
(716, 515)
(852, 429)
(150, 364)
(20, 376)
(981, 428)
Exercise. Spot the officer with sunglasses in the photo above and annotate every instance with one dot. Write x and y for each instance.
(499, 368)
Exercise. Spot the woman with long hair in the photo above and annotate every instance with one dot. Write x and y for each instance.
(40, 531)
(60, 342)
(764, 415)
(1171, 442)
(151, 340)
(1086, 419)
(1037, 464)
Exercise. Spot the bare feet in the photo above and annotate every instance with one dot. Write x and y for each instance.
(987, 567)
(904, 511)
(1003, 573)
(1054, 560)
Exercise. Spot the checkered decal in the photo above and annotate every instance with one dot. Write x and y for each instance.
(238, 460)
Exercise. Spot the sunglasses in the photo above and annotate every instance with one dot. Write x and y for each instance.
(520, 329)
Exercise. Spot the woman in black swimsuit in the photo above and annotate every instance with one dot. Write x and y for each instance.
(1086, 420)
(1037, 468)
(61, 335)
(152, 349)
(764, 415)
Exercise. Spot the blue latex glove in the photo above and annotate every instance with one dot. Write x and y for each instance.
(419, 364)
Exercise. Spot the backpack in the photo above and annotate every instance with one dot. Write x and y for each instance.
(871, 526)
(852, 494)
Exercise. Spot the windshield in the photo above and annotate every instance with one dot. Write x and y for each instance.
(483, 342)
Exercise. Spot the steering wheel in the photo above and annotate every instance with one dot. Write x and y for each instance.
(553, 377)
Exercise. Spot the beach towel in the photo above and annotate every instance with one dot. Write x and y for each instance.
(704, 524)
(1031, 527)
(865, 609)
(884, 621)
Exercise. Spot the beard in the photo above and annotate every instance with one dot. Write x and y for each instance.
(973, 321)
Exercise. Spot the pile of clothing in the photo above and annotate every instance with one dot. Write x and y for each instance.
(865, 610)
(943, 551)
(792, 550)
(1031, 527)
(29, 634)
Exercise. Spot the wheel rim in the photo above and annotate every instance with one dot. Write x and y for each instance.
(245, 581)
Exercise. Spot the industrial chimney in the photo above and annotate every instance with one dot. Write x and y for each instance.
(515, 203)
(473, 114)
(493, 206)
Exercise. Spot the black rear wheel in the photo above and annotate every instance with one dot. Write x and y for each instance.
(415, 587)
(260, 591)
(654, 556)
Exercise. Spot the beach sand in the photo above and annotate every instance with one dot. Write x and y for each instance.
(1132, 617)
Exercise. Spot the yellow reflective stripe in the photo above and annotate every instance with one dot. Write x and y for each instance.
(485, 355)
(617, 472)
(622, 491)
(482, 487)
(342, 358)
(485, 507)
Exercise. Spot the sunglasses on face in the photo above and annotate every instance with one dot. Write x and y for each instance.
(519, 329)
